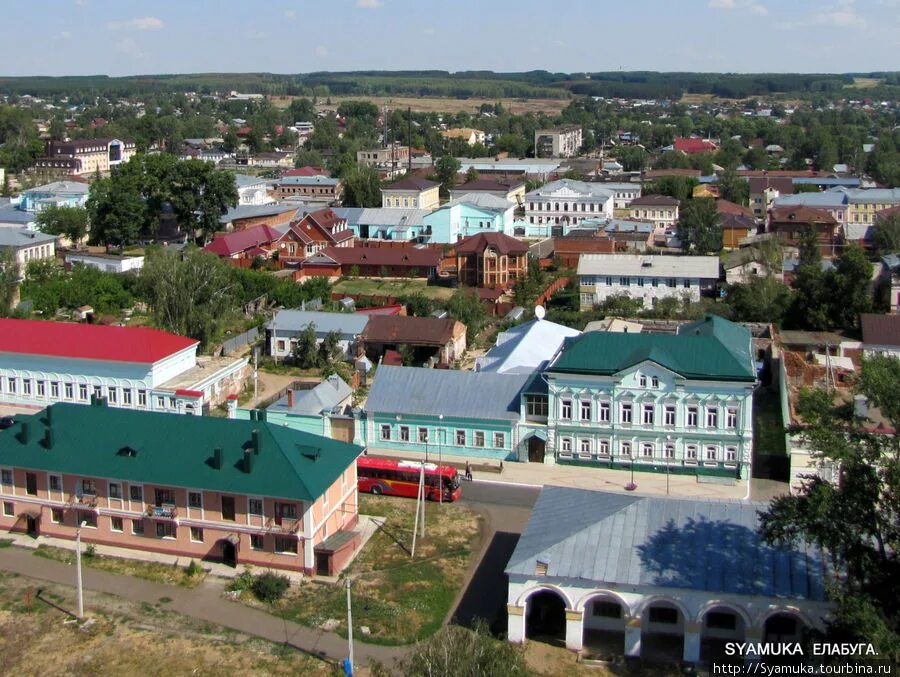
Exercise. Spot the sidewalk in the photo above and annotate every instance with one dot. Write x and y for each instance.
(606, 479)
(205, 603)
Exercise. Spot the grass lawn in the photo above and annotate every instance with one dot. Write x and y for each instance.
(151, 571)
(5, 542)
(126, 638)
(768, 428)
(379, 287)
(398, 599)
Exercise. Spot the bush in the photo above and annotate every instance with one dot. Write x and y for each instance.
(90, 551)
(243, 581)
(270, 587)
(193, 569)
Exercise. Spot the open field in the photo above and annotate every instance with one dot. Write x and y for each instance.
(124, 638)
(399, 599)
(865, 83)
(438, 104)
(380, 287)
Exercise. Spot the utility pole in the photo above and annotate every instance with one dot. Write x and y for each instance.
(420, 496)
(80, 609)
(440, 461)
(255, 374)
(349, 627)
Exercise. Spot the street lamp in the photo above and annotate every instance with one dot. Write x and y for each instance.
(80, 591)
(440, 460)
(668, 445)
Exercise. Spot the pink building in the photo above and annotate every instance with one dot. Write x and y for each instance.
(226, 490)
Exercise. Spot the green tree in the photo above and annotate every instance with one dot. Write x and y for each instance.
(116, 210)
(886, 235)
(851, 285)
(308, 158)
(447, 169)
(531, 285)
(330, 348)
(306, 353)
(732, 187)
(189, 294)
(362, 187)
(854, 518)
(466, 307)
(472, 174)
(679, 187)
(811, 307)
(763, 299)
(9, 280)
(418, 305)
(698, 227)
(70, 222)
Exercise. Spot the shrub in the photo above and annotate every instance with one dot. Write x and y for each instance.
(90, 551)
(270, 587)
(243, 581)
(193, 569)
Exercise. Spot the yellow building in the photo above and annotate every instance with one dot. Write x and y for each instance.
(467, 134)
(411, 193)
(864, 203)
(85, 156)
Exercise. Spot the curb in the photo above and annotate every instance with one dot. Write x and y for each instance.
(509, 483)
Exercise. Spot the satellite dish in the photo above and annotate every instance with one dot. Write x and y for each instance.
(539, 312)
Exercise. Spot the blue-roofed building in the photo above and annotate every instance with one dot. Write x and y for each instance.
(56, 194)
(287, 325)
(385, 223)
(316, 410)
(458, 220)
(663, 578)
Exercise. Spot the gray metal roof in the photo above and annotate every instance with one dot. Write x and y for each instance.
(582, 188)
(524, 348)
(70, 187)
(293, 321)
(710, 545)
(483, 201)
(385, 216)
(455, 394)
(250, 211)
(244, 180)
(22, 237)
(322, 398)
(704, 267)
(13, 215)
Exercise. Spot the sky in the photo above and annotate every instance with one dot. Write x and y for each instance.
(128, 37)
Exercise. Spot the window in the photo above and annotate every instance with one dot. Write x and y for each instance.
(256, 542)
(137, 527)
(691, 453)
(98, 392)
(671, 282)
(423, 435)
(625, 448)
(54, 389)
(115, 524)
(26, 386)
(607, 609)
(692, 416)
(69, 391)
(404, 433)
(687, 284)
(642, 381)
(585, 410)
(603, 412)
(566, 409)
(648, 414)
(115, 490)
(655, 381)
(669, 415)
(196, 535)
(499, 440)
(565, 446)
(126, 396)
(731, 415)
(195, 499)
(87, 517)
(56, 515)
(479, 438)
(164, 497)
(661, 614)
(626, 412)
(6, 476)
(11, 385)
(285, 545)
(289, 510)
(142, 398)
(255, 506)
(113, 395)
(9, 509)
(89, 487)
(712, 417)
(669, 451)
(82, 392)
(584, 447)
(603, 448)
(385, 432)
(31, 484)
(730, 454)
(647, 450)
(721, 620)
(41, 389)
(55, 483)
(136, 492)
(228, 508)
(165, 530)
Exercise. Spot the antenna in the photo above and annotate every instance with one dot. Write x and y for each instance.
(539, 312)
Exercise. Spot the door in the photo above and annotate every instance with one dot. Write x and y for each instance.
(228, 508)
(536, 448)
(31, 525)
(31, 484)
(229, 553)
(323, 562)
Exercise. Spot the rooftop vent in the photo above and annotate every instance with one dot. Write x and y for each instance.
(541, 566)
(217, 458)
(127, 452)
(312, 453)
(646, 264)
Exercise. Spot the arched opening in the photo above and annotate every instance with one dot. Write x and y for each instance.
(603, 635)
(720, 625)
(545, 617)
(783, 627)
(662, 633)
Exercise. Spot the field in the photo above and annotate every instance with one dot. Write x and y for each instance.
(439, 104)
(398, 599)
(865, 83)
(379, 287)
(37, 638)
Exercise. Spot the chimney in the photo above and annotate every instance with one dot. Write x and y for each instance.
(290, 397)
(24, 433)
(257, 440)
(48, 438)
(261, 415)
(48, 415)
(248, 461)
(217, 458)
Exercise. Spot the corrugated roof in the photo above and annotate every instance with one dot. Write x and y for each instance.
(708, 545)
(378, 256)
(455, 394)
(406, 329)
(504, 244)
(383, 216)
(176, 450)
(524, 348)
(242, 240)
(880, 330)
(711, 349)
(23, 237)
(582, 188)
(704, 267)
(324, 397)
(292, 321)
(412, 183)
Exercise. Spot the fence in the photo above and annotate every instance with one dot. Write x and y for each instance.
(234, 344)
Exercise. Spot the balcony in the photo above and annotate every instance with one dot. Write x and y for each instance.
(162, 511)
(283, 525)
(82, 501)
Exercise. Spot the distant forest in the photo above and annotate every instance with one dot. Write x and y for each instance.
(532, 84)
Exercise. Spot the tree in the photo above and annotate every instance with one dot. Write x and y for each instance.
(330, 348)
(447, 169)
(698, 227)
(886, 235)
(70, 222)
(854, 518)
(116, 210)
(418, 305)
(308, 158)
(528, 287)
(679, 187)
(465, 306)
(188, 294)
(763, 299)
(9, 280)
(472, 174)
(362, 187)
(851, 285)
(306, 351)
(733, 188)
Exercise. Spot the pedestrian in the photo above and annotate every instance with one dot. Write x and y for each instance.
(468, 471)
(501, 467)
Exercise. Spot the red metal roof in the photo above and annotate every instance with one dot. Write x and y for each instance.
(184, 392)
(694, 146)
(309, 170)
(395, 309)
(89, 341)
(242, 240)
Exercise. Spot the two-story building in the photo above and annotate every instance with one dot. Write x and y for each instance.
(240, 492)
(645, 278)
(27, 245)
(252, 190)
(461, 218)
(411, 193)
(131, 367)
(491, 260)
(311, 233)
(662, 210)
(288, 324)
(677, 403)
(390, 161)
(55, 194)
(321, 189)
(560, 205)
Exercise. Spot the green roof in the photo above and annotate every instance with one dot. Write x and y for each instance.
(176, 450)
(712, 349)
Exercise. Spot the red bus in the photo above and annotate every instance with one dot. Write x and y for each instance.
(401, 478)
